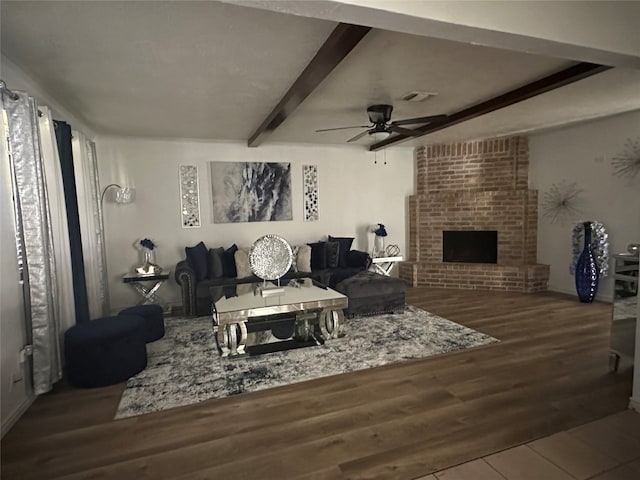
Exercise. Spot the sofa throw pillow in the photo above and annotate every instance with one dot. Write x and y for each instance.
(345, 247)
(197, 258)
(215, 262)
(294, 263)
(229, 262)
(318, 255)
(356, 258)
(242, 263)
(333, 250)
(303, 259)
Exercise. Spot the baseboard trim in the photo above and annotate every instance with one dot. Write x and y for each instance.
(600, 297)
(11, 420)
(634, 404)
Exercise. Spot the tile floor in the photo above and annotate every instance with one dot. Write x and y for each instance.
(607, 449)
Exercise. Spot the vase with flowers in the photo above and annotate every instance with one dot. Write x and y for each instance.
(380, 231)
(148, 266)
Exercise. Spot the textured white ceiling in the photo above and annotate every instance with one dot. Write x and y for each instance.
(213, 70)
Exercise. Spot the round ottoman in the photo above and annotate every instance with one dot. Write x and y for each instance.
(370, 293)
(105, 351)
(153, 317)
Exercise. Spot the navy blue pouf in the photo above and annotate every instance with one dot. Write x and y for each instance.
(153, 317)
(105, 351)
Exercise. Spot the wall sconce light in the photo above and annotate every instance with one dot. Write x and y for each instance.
(123, 194)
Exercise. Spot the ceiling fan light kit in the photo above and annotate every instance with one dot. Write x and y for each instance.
(380, 118)
(378, 136)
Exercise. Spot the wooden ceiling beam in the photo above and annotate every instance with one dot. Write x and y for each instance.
(546, 84)
(337, 46)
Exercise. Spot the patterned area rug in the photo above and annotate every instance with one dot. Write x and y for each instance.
(184, 367)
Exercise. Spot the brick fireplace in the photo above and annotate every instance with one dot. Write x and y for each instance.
(475, 186)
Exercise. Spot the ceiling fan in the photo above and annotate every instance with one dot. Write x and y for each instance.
(380, 116)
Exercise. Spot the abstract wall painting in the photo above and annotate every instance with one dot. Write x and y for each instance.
(189, 196)
(250, 192)
(310, 188)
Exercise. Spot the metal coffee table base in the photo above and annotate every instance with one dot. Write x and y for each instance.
(318, 326)
(232, 338)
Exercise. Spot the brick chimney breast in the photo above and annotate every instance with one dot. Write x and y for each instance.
(477, 185)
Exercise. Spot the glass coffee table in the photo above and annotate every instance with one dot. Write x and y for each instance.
(314, 311)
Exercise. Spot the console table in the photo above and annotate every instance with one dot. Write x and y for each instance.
(384, 265)
(148, 294)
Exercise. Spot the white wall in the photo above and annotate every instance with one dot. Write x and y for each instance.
(353, 193)
(597, 32)
(583, 154)
(575, 23)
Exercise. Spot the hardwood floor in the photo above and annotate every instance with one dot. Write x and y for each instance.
(549, 373)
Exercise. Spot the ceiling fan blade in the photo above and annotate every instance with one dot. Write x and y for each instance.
(343, 128)
(428, 119)
(358, 137)
(404, 131)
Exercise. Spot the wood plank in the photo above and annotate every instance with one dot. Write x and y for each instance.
(548, 373)
(342, 40)
(543, 85)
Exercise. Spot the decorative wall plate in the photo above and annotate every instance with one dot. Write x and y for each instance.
(270, 257)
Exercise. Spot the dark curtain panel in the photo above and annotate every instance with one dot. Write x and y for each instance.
(63, 139)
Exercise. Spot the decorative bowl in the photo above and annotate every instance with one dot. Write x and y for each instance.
(270, 257)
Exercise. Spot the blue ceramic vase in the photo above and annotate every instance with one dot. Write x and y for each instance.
(587, 271)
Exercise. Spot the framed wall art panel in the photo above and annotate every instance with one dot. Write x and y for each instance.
(310, 188)
(250, 192)
(189, 196)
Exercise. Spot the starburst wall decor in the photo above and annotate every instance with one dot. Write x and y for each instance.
(627, 163)
(561, 202)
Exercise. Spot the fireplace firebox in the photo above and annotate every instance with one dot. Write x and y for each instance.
(470, 246)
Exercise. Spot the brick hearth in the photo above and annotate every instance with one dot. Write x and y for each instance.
(480, 185)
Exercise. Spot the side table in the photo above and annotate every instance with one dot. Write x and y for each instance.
(626, 271)
(384, 265)
(148, 294)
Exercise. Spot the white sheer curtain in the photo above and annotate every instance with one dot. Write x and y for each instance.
(59, 227)
(36, 255)
(89, 210)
